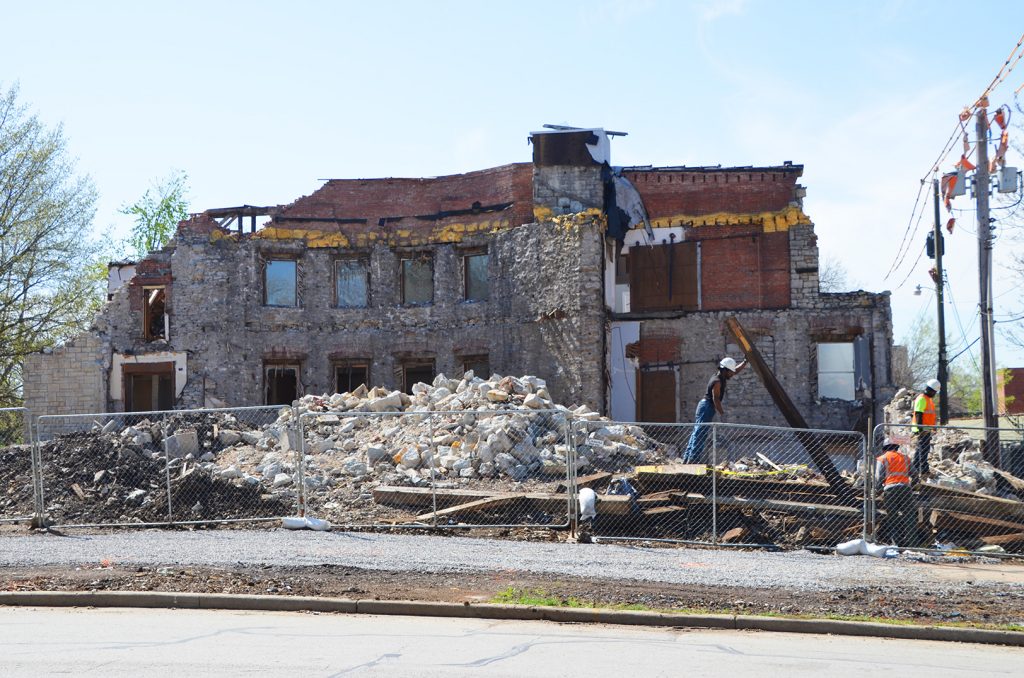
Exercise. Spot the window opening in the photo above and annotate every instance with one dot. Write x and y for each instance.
(418, 372)
(477, 284)
(418, 280)
(480, 364)
(836, 370)
(279, 282)
(349, 376)
(281, 383)
(351, 283)
(155, 314)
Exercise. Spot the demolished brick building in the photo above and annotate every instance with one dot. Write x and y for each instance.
(612, 284)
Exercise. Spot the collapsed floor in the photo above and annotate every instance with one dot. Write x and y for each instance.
(487, 452)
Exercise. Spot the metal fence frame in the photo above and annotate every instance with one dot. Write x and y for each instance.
(37, 431)
(904, 436)
(433, 418)
(21, 417)
(715, 449)
(85, 421)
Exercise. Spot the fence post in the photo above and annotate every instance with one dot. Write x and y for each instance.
(39, 514)
(298, 428)
(432, 448)
(868, 484)
(571, 475)
(714, 484)
(167, 471)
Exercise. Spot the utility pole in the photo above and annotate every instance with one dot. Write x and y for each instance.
(939, 289)
(988, 361)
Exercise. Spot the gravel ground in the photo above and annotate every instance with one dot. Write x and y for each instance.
(796, 571)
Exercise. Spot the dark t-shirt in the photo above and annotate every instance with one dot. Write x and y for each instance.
(711, 385)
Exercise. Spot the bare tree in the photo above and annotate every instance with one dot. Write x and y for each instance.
(832, 276)
(47, 289)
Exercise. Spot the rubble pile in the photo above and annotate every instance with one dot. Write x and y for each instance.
(117, 473)
(498, 432)
(956, 460)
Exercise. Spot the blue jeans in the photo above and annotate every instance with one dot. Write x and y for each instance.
(695, 449)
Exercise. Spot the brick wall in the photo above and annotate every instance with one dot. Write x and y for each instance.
(699, 192)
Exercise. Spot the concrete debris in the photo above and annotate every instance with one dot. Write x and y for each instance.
(956, 460)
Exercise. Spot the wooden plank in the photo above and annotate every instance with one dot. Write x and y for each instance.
(792, 414)
(663, 510)
(78, 490)
(591, 481)
(1013, 481)
(767, 488)
(423, 496)
(468, 507)
(1004, 539)
(972, 524)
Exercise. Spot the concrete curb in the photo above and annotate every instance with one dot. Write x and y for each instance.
(215, 601)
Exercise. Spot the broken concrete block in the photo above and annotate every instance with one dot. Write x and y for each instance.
(135, 497)
(391, 402)
(375, 454)
(322, 446)
(534, 401)
(227, 437)
(230, 473)
(181, 444)
(497, 396)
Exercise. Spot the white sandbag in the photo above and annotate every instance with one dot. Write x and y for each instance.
(877, 550)
(854, 547)
(317, 524)
(588, 503)
(293, 523)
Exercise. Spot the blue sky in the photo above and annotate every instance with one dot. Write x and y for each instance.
(258, 101)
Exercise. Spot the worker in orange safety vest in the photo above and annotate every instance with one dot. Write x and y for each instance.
(892, 475)
(924, 416)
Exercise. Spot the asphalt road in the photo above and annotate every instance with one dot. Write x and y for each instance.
(800, 570)
(138, 642)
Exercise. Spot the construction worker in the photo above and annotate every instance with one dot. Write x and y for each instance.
(708, 405)
(892, 476)
(924, 416)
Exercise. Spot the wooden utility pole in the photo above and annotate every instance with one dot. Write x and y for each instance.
(988, 359)
(943, 374)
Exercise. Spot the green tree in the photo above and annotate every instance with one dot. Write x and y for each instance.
(46, 210)
(157, 214)
(922, 364)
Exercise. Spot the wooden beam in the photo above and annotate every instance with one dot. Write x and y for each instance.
(1004, 539)
(791, 413)
(591, 481)
(977, 526)
(468, 507)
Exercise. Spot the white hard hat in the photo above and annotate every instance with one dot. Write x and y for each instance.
(728, 363)
(934, 385)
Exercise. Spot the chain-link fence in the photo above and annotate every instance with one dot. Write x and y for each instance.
(947, 489)
(17, 466)
(720, 483)
(459, 469)
(158, 468)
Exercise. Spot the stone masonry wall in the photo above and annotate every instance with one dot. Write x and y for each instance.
(544, 315)
(787, 340)
(70, 380)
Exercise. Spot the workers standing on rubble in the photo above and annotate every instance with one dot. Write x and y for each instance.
(892, 475)
(924, 416)
(708, 405)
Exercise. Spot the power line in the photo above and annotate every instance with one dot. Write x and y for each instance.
(958, 130)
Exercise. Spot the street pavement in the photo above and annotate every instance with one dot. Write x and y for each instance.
(142, 642)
